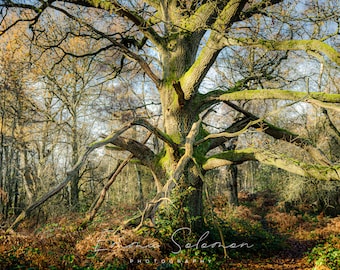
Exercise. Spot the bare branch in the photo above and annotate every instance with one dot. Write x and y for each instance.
(324, 105)
(125, 50)
(227, 134)
(126, 13)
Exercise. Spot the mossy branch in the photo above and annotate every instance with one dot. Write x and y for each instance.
(157, 132)
(312, 45)
(279, 94)
(321, 99)
(284, 135)
(320, 172)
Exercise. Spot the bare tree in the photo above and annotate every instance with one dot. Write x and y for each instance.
(16, 180)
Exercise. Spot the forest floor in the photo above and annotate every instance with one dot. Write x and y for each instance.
(292, 240)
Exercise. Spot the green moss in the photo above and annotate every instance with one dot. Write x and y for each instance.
(201, 150)
(237, 155)
(165, 159)
(107, 5)
(279, 94)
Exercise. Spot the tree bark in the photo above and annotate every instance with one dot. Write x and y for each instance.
(232, 185)
(140, 188)
(320, 172)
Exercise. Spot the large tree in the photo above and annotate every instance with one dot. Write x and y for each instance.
(176, 43)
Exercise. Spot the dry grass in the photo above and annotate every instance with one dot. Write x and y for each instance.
(123, 246)
(283, 222)
(59, 243)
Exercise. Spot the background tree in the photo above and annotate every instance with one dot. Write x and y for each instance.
(17, 117)
(187, 39)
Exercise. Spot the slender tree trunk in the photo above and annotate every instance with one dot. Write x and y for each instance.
(232, 186)
(74, 190)
(16, 196)
(2, 145)
(140, 188)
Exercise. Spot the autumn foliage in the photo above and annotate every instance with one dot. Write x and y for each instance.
(61, 244)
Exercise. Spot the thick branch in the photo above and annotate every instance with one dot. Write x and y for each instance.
(285, 135)
(288, 45)
(234, 128)
(319, 172)
(331, 125)
(228, 15)
(157, 132)
(199, 20)
(324, 105)
(258, 8)
(197, 72)
(139, 150)
(262, 94)
(100, 199)
(306, 45)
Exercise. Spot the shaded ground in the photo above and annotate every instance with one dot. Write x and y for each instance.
(294, 257)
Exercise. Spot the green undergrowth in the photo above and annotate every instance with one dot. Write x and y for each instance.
(326, 254)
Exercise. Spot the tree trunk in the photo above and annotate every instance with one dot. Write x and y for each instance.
(74, 191)
(192, 191)
(179, 117)
(232, 186)
(140, 188)
(190, 186)
(189, 196)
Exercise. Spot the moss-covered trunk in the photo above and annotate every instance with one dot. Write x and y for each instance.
(179, 118)
(191, 195)
(177, 123)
